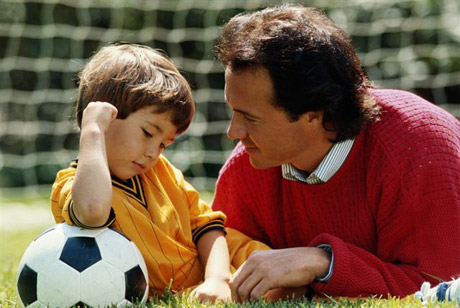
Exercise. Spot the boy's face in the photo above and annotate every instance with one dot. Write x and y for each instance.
(135, 143)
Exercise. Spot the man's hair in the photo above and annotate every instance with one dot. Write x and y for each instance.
(130, 77)
(311, 61)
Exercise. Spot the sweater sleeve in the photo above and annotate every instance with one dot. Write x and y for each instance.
(416, 194)
(433, 251)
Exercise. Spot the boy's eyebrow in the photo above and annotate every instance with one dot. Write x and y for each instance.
(158, 128)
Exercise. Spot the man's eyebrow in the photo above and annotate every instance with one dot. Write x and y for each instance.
(246, 113)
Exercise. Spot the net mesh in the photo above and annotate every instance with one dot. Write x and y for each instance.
(412, 45)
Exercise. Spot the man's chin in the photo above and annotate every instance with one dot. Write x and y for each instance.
(261, 164)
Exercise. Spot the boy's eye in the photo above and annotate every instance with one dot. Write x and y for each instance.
(147, 134)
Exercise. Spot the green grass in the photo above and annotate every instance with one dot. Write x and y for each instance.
(14, 242)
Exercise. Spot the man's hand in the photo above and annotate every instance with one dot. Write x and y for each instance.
(100, 114)
(212, 290)
(267, 270)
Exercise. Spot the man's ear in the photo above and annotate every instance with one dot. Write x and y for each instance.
(313, 118)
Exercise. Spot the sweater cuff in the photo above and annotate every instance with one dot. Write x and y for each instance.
(328, 248)
(338, 282)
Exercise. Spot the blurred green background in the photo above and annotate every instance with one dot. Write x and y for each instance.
(412, 45)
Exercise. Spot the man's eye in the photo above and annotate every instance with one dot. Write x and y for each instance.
(249, 118)
(147, 134)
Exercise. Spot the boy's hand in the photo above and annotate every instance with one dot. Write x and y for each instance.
(99, 113)
(213, 289)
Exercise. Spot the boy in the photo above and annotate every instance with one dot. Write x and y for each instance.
(132, 103)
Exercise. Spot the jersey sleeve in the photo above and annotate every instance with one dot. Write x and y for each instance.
(240, 247)
(61, 195)
(62, 203)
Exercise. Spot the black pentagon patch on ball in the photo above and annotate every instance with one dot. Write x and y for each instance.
(80, 252)
(135, 284)
(81, 305)
(27, 285)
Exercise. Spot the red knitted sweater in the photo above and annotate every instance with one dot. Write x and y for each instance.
(391, 213)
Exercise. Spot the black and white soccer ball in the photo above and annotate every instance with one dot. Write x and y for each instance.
(68, 266)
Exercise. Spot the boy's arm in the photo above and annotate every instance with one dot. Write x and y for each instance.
(92, 187)
(214, 256)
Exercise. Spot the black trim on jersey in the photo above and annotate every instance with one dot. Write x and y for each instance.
(215, 224)
(74, 163)
(132, 187)
(78, 223)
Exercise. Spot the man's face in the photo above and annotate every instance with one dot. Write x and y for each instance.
(269, 137)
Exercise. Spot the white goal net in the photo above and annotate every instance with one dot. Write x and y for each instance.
(413, 45)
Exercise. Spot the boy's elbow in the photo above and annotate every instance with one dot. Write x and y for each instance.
(92, 214)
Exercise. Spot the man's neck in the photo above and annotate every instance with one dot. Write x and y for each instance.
(309, 161)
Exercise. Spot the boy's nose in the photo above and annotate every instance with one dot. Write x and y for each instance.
(153, 152)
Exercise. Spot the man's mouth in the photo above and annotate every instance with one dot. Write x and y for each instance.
(248, 146)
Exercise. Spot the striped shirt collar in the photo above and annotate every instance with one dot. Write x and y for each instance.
(325, 170)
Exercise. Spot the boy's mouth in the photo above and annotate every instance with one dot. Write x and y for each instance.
(138, 166)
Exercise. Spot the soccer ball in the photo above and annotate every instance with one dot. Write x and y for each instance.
(68, 266)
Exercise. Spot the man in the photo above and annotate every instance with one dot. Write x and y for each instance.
(356, 189)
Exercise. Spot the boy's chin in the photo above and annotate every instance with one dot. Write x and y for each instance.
(123, 175)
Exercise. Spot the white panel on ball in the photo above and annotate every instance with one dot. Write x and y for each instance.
(102, 284)
(70, 231)
(58, 285)
(67, 265)
(44, 249)
(37, 304)
(116, 250)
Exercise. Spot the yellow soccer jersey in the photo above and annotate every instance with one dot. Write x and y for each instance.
(164, 216)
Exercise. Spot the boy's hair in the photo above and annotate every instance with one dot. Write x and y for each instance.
(311, 62)
(130, 77)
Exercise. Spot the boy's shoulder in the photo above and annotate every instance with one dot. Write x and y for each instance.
(67, 172)
(164, 170)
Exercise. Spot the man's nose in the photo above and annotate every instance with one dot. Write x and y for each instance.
(236, 130)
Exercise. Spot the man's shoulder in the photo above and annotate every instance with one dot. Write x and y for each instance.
(406, 113)
(412, 130)
(408, 105)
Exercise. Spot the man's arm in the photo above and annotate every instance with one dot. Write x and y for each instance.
(417, 232)
(287, 268)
